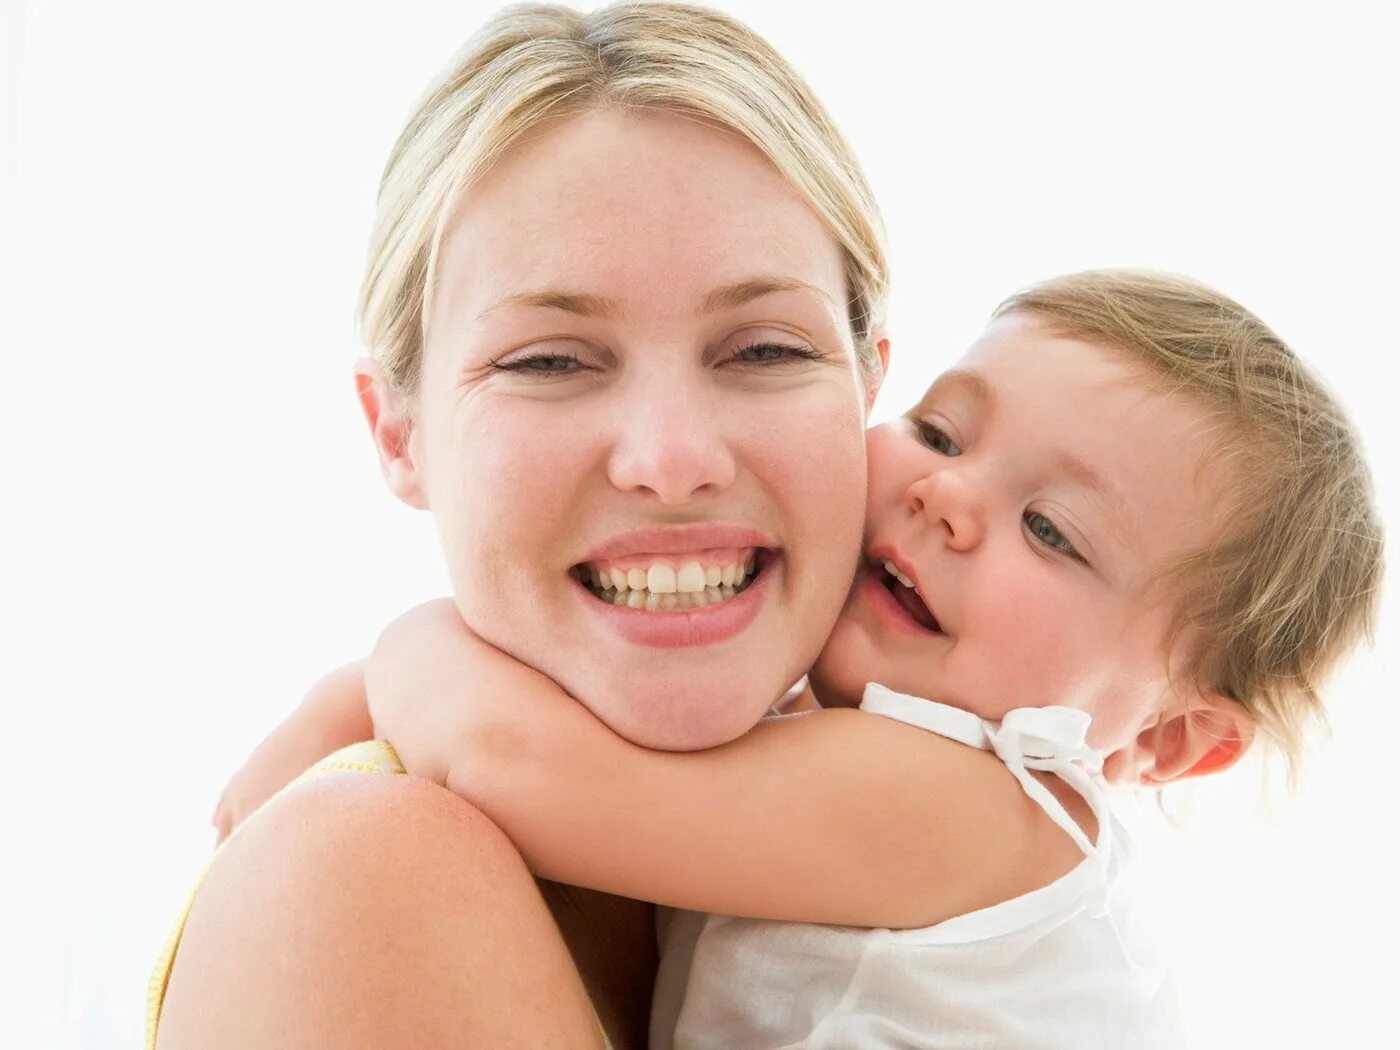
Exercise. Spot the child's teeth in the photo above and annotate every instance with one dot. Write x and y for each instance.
(893, 570)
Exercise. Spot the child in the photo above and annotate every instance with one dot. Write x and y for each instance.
(1124, 531)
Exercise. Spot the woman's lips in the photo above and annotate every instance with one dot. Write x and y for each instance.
(677, 540)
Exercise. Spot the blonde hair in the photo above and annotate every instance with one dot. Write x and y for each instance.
(1291, 582)
(536, 62)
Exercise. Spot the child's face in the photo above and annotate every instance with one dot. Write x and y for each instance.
(1030, 496)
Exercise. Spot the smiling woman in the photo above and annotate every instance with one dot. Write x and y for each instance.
(647, 397)
(614, 305)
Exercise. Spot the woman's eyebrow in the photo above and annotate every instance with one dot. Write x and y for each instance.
(582, 303)
(586, 304)
(750, 288)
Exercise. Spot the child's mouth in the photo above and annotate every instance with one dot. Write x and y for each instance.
(902, 588)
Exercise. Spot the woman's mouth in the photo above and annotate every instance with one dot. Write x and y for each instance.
(673, 583)
(902, 589)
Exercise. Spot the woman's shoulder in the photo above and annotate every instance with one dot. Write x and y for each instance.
(335, 866)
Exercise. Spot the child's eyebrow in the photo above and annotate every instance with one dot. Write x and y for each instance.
(1121, 518)
(962, 379)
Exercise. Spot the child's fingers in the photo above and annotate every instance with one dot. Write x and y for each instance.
(225, 817)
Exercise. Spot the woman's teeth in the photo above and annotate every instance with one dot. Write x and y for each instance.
(662, 587)
(893, 570)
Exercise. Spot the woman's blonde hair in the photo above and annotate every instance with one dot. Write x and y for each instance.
(536, 62)
(1292, 580)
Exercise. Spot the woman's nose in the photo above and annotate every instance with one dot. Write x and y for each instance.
(672, 452)
(946, 500)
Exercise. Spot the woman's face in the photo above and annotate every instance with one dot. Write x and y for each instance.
(1032, 496)
(639, 365)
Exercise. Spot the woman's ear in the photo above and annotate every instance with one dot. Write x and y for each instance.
(391, 426)
(1207, 734)
(875, 379)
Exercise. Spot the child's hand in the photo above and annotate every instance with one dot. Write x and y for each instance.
(334, 714)
(417, 678)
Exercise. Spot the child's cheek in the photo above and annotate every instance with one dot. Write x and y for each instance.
(1036, 634)
(894, 461)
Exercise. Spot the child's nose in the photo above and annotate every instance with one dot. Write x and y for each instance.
(946, 500)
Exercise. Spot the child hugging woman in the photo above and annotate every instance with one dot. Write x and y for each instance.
(1126, 531)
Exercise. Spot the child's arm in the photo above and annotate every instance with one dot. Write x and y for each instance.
(333, 714)
(836, 816)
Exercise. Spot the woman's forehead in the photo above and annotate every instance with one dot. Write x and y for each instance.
(630, 209)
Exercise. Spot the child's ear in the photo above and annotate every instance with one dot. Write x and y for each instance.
(1207, 734)
(391, 426)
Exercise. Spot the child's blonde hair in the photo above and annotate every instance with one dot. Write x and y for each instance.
(534, 63)
(1292, 581)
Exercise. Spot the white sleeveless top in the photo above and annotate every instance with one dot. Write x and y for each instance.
(1061, 967)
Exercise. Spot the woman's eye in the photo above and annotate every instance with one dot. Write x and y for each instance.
(937, 439)
(540, 364)
(773, 354)
(1044, 530)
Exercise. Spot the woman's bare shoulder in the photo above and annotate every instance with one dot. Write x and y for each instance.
(359, 910)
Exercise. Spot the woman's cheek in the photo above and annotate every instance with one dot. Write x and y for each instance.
(816, 432)
(809, 452)
(496, 509)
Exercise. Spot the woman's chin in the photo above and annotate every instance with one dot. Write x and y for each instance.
(684, 719)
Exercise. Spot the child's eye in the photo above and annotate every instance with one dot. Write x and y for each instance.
(936, 439)
(774, 354)
(1044, 530)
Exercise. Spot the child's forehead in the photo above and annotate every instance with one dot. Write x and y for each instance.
(1019, 362)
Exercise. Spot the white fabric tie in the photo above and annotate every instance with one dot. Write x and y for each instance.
(1047, 739)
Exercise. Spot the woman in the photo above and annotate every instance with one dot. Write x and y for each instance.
(622, 297)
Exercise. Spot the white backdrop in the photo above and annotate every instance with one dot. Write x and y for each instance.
(194, 525)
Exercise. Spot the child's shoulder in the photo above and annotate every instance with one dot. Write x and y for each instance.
(1021, 790)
